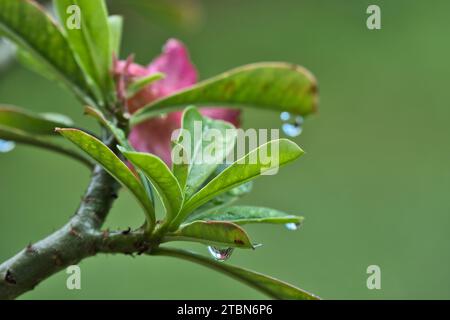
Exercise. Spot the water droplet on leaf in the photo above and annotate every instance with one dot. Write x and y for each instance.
(291, 129)
(293, 226)
(220, 254)
(6, 146)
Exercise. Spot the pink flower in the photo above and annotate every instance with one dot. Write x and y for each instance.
(154, 135)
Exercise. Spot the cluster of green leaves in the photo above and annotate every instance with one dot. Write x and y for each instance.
(196, 196)
(189, 191)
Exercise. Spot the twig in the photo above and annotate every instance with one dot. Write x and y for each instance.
(36, 141)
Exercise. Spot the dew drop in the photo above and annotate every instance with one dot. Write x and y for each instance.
(220, 254)
(293, 226)
(6, 146)
(291, 129)
(285, 116)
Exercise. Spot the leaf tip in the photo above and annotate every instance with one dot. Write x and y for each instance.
(292, 146)
(59, 130)
(121, 149)
(88, 109)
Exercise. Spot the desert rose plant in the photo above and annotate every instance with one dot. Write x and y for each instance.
(148, 144)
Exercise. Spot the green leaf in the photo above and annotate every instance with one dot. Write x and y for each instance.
(181, 169)
(90, 40)
(242, 171)
(30, 138)
(115, 28)
(161, 177)
(121, 138)
(215, 134)
(245, 214)
(222, 200)
(116, 167)
(215, 233)
(182, 166)
(143, 82)
(269, 86)
(29, 61)
(33, 123)
(26, 24)
(117, 132)
(270, 286)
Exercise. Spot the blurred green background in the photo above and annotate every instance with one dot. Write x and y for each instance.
(373, 186)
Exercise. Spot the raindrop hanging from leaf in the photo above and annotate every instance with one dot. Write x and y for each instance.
(220, 254)
(292, 226)
(6, 146)
(291, 129)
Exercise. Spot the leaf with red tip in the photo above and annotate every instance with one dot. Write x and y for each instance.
(215, 233)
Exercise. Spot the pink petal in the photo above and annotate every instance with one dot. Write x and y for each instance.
(134, 69)
(153, 136)
(175, 63)
(141, 99)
